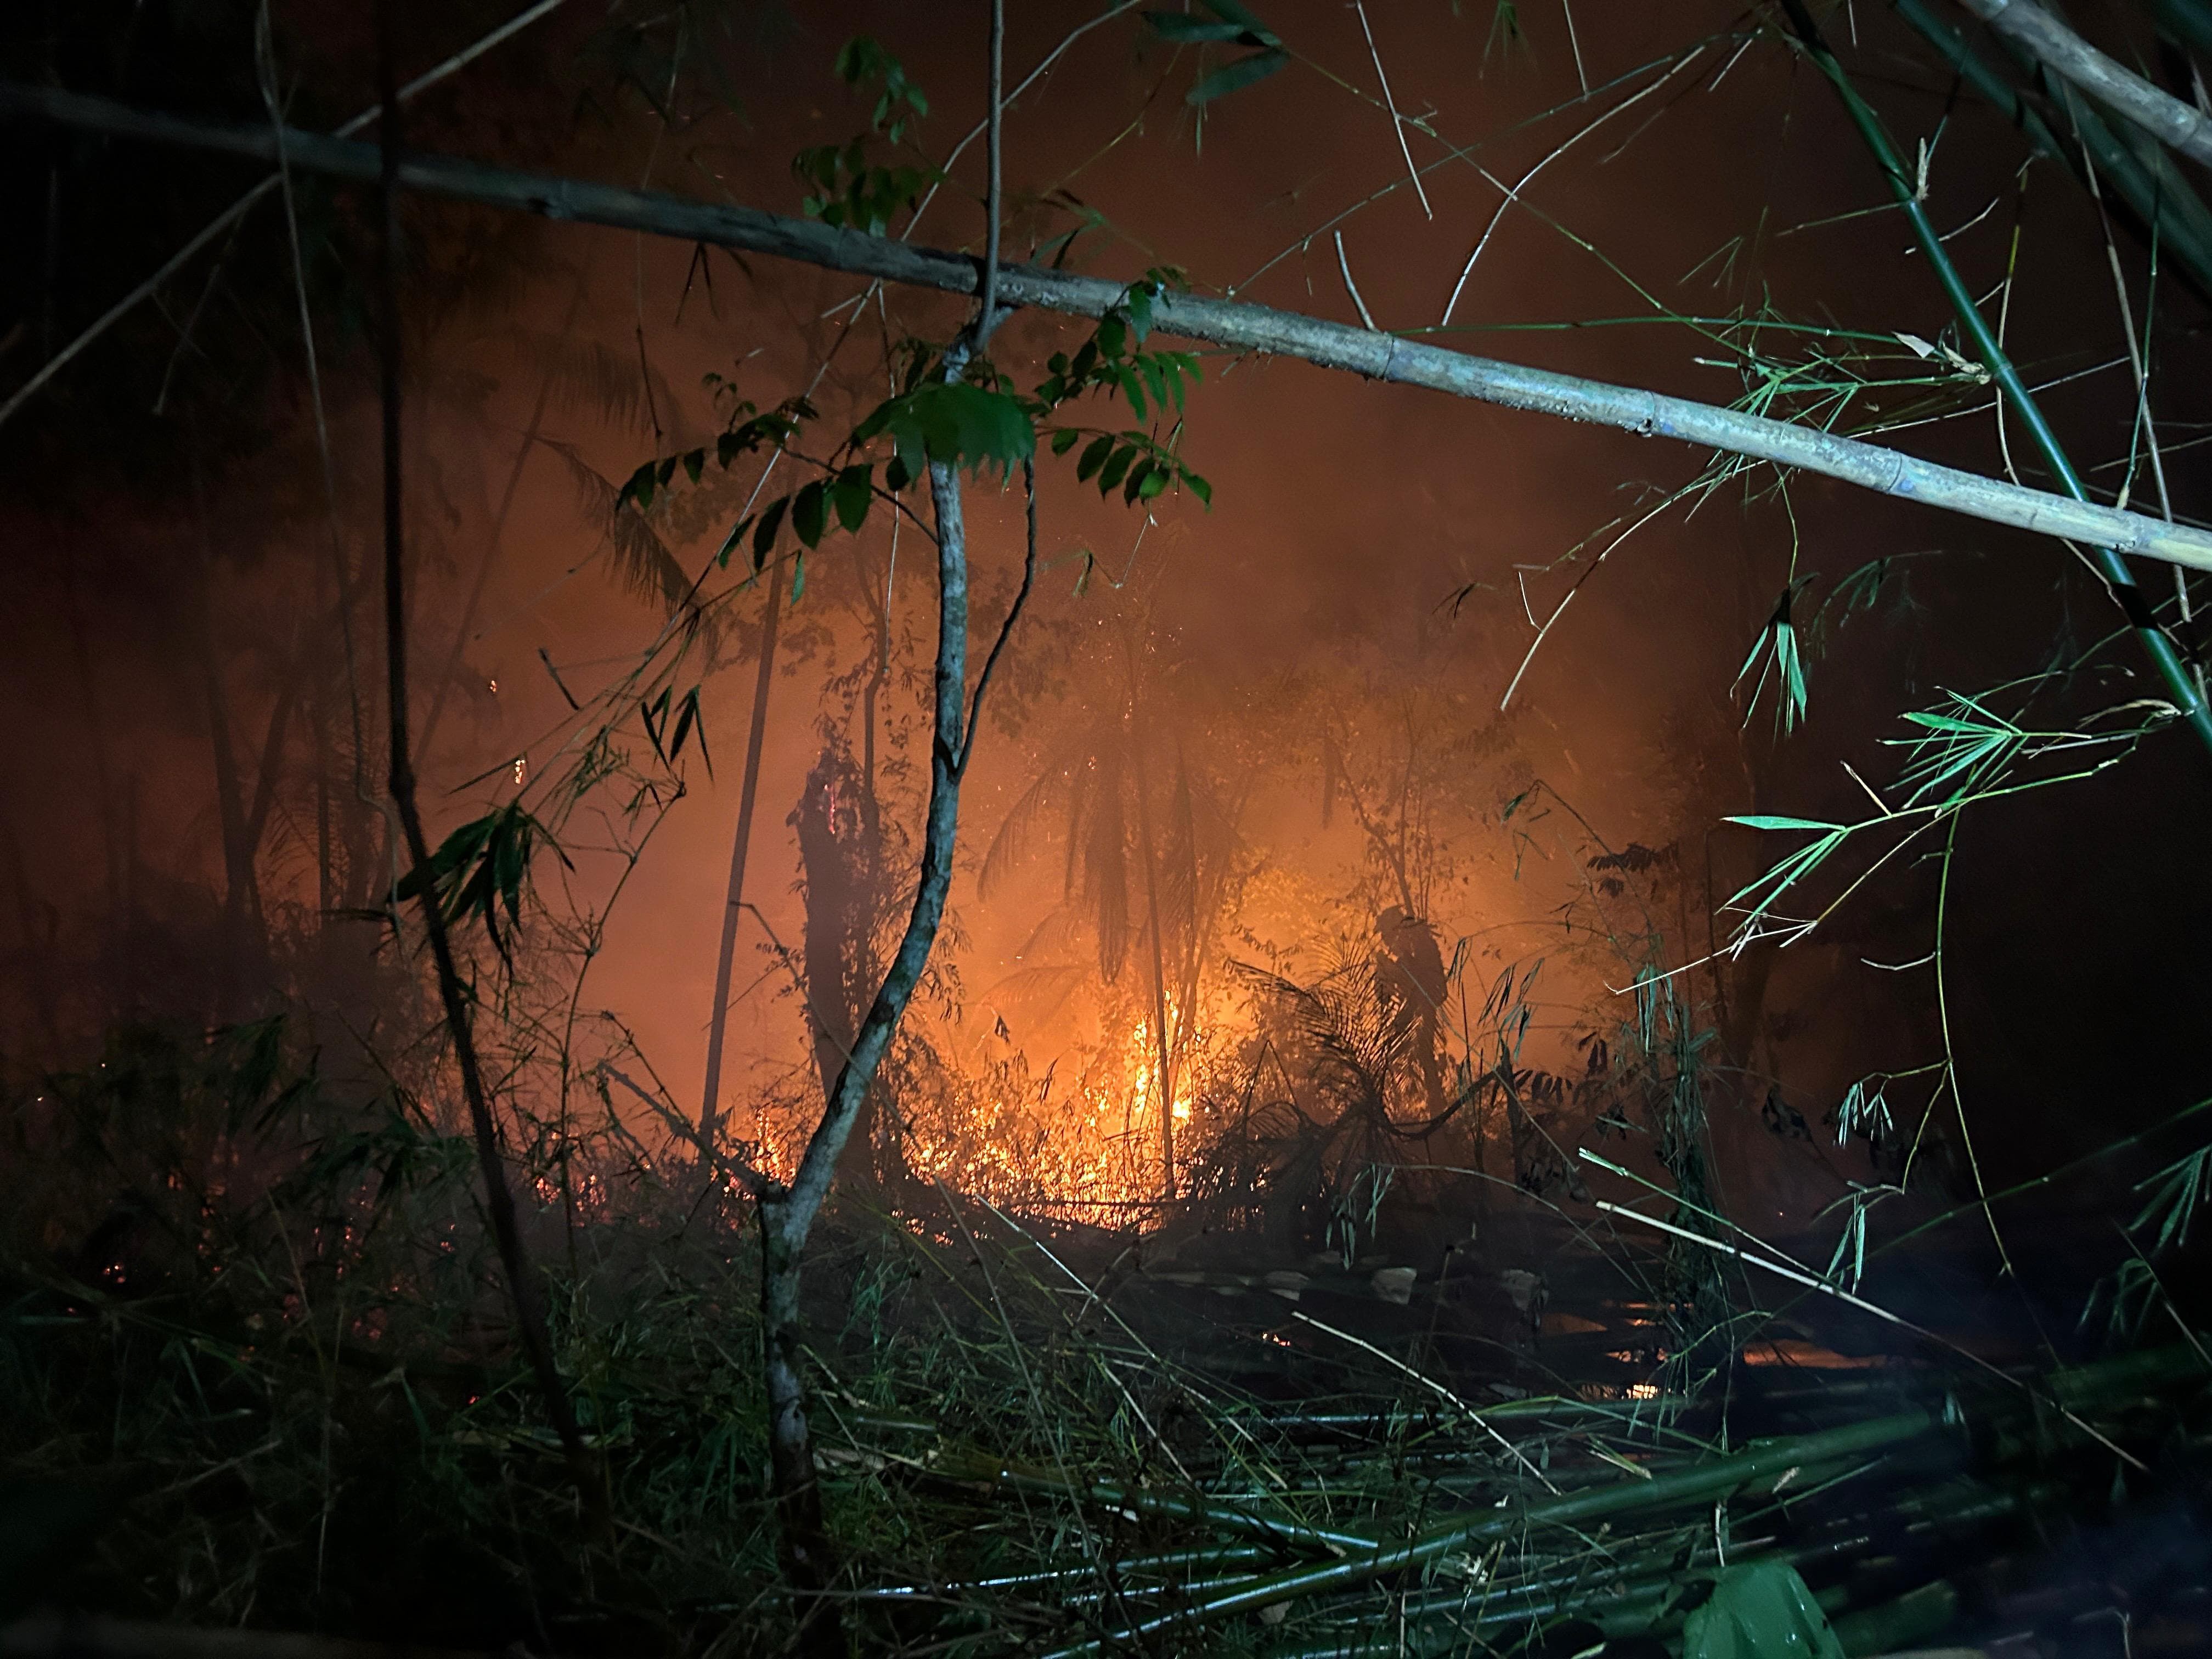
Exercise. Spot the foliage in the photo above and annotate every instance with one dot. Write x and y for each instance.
(1231, 24)
(480, 868)
(846, 189)
(975, 422)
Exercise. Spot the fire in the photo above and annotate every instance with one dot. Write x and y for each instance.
(1076, 1153)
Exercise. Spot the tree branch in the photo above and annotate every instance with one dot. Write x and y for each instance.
(2120, 89)
(1006, 628)
(1225, 323)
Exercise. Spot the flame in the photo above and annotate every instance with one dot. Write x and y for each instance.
(1083, 1154)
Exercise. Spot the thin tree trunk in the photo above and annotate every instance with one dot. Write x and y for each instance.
(326, 883)
(710, 1092)
(42, 973)
(241, 902)
(96, 730)
(1166, 1090)
(788, 1214)
(499, 1199)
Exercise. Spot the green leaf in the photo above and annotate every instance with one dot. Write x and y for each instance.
(798, 577)
(639, 488)
(1094, 458)
(1235, 77)
(1116, 465)
(764, 534)
(1229, 12)
(1760, 1610)
(480, 868)
(1132, 387)
(730, 542)
(688, 718)
(1763, 821)
(853, 495)
(958, 424)
(1177, 26)
(810, 514)
(1137, 302)
(1198, 486)
(695, 461)
(1064, 440)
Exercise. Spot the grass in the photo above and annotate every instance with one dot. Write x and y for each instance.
(272, 1386)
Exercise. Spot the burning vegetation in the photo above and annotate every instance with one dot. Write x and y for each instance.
(962, 993)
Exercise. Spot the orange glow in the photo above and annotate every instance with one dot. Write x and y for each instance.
(1075, 1153)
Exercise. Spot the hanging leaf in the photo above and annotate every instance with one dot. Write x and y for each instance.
(479, 869)
(1183, 29)
(1093, 457)
(851, 495)
(764, 536)
(730, 542)
(1235, 77)
(810, 514)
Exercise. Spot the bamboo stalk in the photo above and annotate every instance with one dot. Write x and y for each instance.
(2165, 657)
(1697, 1485)
(2165, 205)
(1225, 323)
(2065, 53)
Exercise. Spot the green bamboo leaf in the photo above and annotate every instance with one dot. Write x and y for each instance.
(1763, 820)
(1231, 12)
(1235, 77)
(1185, 30)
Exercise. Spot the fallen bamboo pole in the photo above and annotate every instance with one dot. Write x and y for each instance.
(1692, 1485)
(1226, 323)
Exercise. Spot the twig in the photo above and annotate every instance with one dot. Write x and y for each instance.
(1398, 121)
(993, 201)
(239, 209)
(1512, 192)
(1013, 612)
(1351, 287)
